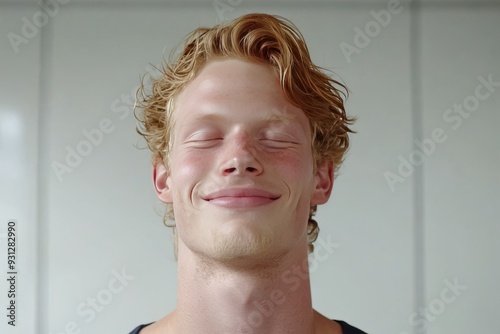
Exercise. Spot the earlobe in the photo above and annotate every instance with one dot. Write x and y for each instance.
(161, 180)
(323, 183)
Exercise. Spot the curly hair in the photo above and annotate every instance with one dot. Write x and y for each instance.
(258, 38)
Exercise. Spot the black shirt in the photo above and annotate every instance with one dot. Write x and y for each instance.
(346, 328)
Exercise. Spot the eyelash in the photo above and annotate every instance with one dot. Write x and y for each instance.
(203, 143)
(276, 143)
(266, 142)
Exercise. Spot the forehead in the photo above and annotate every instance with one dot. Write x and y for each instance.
(236, 88)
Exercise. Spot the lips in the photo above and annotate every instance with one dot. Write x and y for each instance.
(241, 197)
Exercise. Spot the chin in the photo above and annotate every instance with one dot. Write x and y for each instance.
(249, 250)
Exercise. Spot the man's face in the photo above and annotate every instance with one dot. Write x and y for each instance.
(241, 175)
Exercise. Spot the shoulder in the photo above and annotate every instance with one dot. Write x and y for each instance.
(348, 329)
(324, 325)
(158, 327)
(138, 329)
(331, 326)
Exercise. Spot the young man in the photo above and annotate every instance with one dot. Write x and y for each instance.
(246, 135)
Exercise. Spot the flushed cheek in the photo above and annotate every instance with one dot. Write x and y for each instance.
(292, 166)
(297, 172)
(188, 171)
(189, 164)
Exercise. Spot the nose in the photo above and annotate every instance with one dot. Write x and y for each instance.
(240, 158)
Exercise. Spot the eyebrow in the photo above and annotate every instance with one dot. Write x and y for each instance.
(215, 117)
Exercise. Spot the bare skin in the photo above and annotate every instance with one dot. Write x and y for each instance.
(166, 325)
(216, 302)
(242, 255)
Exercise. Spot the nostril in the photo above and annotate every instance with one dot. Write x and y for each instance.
(251, 169)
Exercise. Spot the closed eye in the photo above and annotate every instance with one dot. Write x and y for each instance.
(203, 143)
(277, 143)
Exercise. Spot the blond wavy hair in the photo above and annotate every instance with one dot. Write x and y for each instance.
(258, 38)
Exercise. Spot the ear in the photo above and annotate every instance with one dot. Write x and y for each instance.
(161, 181)
(323, 183)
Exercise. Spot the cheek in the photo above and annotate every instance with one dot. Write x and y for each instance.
(187, 171)
(186, 166)
(297, 167)
(298, 174)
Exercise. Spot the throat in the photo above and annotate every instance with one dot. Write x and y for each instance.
(261, 299)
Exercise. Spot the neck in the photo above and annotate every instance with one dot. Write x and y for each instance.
(216, 298)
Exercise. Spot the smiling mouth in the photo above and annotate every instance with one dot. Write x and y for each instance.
(241, 202)
(241, 198)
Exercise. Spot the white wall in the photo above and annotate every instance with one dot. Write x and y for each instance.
(397, 245)
(19, 110)
(462, 183)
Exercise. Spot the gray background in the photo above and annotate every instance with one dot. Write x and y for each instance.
(396, 247)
